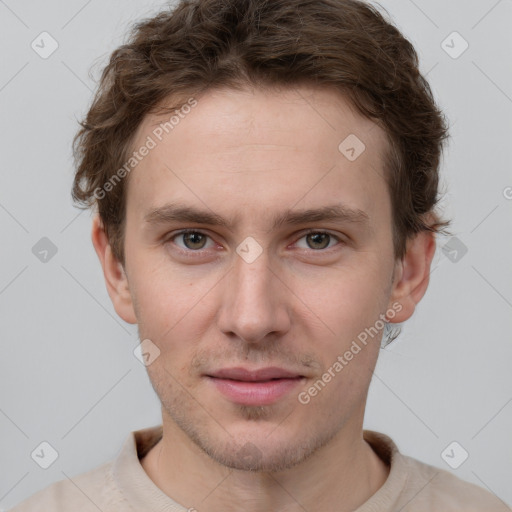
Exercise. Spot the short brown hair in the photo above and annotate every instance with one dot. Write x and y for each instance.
(204, 44)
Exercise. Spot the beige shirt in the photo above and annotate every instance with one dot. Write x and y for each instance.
(123, 485)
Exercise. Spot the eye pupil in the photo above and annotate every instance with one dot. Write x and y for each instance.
(194, 238)
(317, 239)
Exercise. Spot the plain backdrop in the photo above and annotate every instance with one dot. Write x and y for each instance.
(68, 374)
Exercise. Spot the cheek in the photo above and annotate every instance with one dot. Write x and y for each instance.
(175, 315)
(165, 296)
(346, 299)
(347, 307)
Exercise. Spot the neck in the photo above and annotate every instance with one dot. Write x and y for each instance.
(340, 476)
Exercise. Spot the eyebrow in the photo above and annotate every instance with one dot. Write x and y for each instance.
(169, 213)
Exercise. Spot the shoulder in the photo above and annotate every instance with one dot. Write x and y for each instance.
(87, 492)
(429, 488)
(414, 486)
(105, 487)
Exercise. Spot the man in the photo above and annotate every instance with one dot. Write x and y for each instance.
(265, 174)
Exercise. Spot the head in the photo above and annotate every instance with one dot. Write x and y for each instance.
(299, 145)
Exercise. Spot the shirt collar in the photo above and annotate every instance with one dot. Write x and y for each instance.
(141, 492)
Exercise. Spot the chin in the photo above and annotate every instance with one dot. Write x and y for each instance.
(261, 447)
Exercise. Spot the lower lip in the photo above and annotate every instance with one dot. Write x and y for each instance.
(255, 393)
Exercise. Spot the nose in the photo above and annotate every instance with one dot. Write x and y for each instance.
(254, 303)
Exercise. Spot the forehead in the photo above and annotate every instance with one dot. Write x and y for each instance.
(263, 113)
(258, 145)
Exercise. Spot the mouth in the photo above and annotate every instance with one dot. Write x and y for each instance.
(257, 387)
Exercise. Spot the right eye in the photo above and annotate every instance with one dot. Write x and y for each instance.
(192, 240)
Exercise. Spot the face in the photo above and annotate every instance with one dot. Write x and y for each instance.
(287, 259)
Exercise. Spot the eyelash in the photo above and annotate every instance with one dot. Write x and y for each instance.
(192, 253)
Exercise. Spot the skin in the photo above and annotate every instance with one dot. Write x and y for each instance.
(248, 156)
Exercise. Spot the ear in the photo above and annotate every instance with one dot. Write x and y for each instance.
(412, 275)
(114, 273)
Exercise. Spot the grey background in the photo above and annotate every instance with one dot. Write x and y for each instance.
(68, 374)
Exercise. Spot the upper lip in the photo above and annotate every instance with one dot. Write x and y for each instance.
(272, 372)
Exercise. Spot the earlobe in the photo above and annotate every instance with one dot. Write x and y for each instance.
(115, 276)
(412, 275)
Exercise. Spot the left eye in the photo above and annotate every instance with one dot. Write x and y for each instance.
(318, 240)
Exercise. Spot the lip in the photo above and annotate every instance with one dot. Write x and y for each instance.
(243, 374)
(255, 387)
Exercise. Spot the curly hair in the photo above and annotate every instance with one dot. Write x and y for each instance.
(199, 45)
